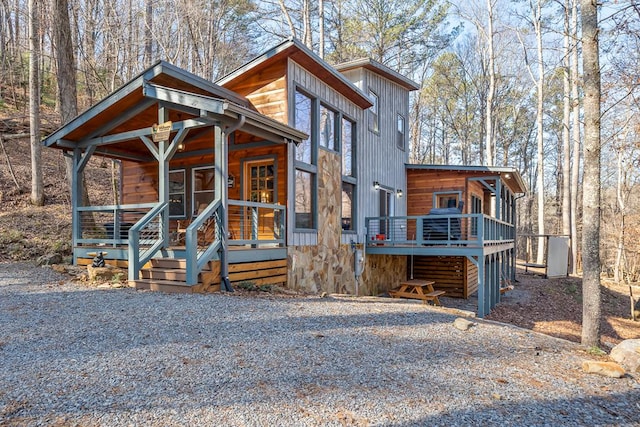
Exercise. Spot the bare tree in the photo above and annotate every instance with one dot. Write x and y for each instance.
(575, 132)
(489, 135)
(37, 188)
(566, 122)
(591, 299)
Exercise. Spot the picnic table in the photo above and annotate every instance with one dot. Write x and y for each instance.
(417, 289)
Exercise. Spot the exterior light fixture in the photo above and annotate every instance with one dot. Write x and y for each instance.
(376, 185)
(507, 176)
(399, 192)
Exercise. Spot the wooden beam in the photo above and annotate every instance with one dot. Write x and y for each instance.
(122, 117)
(180, 97)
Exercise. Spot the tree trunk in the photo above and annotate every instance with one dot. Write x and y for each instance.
(489, 143)
(618, 267)
(566, 123)
(540, 133)
(575, 128)
(37, 188)
(591, 310)
(321, 28)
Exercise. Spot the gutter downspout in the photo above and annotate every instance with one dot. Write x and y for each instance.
(224, 199)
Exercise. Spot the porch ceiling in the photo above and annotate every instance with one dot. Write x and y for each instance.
(116, 123)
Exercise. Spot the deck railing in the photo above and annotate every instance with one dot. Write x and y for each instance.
(442, 230)
(146, 238)
(108, 225)
(202, 240)
(256, 224)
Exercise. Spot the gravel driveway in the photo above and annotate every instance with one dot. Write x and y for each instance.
(74, 355)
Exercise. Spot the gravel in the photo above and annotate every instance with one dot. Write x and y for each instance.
(71, 354)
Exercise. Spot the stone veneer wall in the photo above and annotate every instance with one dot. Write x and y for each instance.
(329, 265)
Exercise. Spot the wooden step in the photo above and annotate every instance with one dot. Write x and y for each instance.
(171, 286)
(173, 263)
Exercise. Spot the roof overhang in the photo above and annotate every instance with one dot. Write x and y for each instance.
(298, 52)
(379, 69)
(129, 112)
(511, 176)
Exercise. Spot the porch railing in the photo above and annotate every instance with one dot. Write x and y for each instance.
(447, 230)
(202, 240)
(108, 225)
(146, 238)
(256, 224)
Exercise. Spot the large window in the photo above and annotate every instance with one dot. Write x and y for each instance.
(203, 188)
(348, 206)
(177, 193)
(400, 136)
(304, 203)
(328, 123)
(303, 121)
(306, 120)
(374, 118)
(446, 199)
(348, 157)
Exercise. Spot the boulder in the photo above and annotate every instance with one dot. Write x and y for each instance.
(50, 259)
(627, 353)
(607, 369)
(106, 273)
(462, 324)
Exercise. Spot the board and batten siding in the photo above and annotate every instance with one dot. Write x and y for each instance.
(378, 157)
(299, 77)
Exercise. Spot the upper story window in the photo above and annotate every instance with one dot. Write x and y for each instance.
(374, 111)
(443, 199)
(177, 193)
(303, 118)
(400, 137)
(348, 158)
(328, 123)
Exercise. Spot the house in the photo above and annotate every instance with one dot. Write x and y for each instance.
(287, 170)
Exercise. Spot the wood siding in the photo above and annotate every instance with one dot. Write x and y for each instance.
(457, 276)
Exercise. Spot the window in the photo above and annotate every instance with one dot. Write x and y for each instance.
(374, 120)
(328, 134)
(400, 140)
(261, 181)
(203, 188)
(348, 191)
(476, 208)
(177, 193)
(446, 200)
(348, 135)
(303, 116)
(304, 200)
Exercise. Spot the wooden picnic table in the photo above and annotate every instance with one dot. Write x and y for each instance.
(417, 289)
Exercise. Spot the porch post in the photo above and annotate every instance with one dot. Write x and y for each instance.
(220, 162)
(75, 193)
(163, 180)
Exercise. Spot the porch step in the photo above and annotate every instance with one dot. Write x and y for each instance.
(174, 263)
(172, 286)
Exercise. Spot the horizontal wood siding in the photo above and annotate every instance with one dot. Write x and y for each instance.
(421, 185)
(139, 182)
(457, 276)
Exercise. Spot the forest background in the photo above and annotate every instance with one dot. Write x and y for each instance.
(500, 82)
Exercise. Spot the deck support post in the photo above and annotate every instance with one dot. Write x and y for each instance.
(79, 163)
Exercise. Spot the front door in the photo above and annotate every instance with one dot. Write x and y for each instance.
(260, 187)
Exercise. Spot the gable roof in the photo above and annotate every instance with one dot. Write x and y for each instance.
(380, 69)
(298, 52)
(133, 107)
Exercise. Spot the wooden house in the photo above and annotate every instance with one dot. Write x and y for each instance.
(287, 171)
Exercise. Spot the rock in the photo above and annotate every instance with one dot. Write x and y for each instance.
(105, 274)
(627, 353)
(50, 259)
(607, 369)
(59, 268)
(463, 324)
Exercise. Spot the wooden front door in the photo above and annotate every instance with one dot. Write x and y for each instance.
(260, 187)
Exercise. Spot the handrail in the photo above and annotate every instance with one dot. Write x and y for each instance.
(196, 259)
(448, 230)
(140, 256)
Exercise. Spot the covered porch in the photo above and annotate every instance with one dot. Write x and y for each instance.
(202, 177)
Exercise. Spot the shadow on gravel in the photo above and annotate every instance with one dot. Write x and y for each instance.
(613, 409)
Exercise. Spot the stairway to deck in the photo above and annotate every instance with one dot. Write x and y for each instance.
(170, 275)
